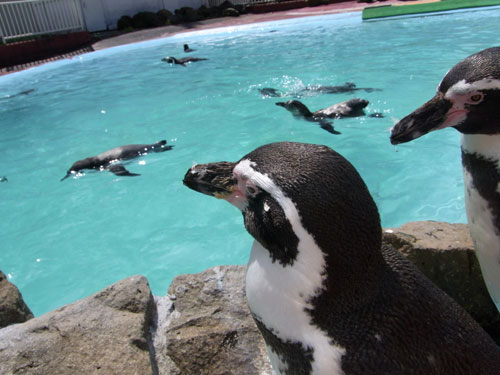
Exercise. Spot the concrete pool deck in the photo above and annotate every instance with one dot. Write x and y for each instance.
(115, 38)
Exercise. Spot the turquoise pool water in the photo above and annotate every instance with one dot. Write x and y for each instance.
(61, 241)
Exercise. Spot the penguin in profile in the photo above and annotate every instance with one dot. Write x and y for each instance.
(325, 293)
(182, 61)
(111, 160)
(349, 108)
(468, 99)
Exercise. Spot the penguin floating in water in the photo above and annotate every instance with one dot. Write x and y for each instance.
(349, 108)
(325, 293)
(187, 49)
(348, 87)
(109, 160)
(468, 99)
(182, 61)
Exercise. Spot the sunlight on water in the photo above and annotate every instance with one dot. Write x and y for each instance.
(65, 240)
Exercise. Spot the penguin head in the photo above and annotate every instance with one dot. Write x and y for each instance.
(87, 163)
(355, 106)
(467, 99)
(287, 189)
(296, 107)
(170, 60)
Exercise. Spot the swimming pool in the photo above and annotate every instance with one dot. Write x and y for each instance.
(62, 241)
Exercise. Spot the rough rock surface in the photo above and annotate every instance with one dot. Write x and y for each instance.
(203, 326)
(210, 330)
(12, 307)
(106, 333)
(445, 254)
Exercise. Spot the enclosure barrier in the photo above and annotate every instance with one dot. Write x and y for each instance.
(35, 17)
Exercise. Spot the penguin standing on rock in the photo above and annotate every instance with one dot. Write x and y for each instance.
(468, 99)
(327, 296)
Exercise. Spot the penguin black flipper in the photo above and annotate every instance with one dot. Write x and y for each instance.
(328, 126)
(120, 170)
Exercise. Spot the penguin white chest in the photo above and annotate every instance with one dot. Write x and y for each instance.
(484, 233)
(278, 296)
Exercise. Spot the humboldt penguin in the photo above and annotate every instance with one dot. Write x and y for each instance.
(110, 160)
(325, 293)
(182, 61)
(468, 99)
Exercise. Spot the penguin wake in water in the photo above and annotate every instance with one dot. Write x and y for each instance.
(327, 296)
(468, 99)
(109, 160)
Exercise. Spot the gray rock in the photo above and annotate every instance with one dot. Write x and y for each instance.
(210, 329)
(12, 307)
(445, 254)
(106, 333)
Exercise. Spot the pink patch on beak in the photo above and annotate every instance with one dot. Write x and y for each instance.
(238, 199)
(454, 117)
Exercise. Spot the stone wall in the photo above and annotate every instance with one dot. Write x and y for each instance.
(203, 325)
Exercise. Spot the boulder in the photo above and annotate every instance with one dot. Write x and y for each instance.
(12, 307)
(209, 328)
(445, 254)
(107, 333)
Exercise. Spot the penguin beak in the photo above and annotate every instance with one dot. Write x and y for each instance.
(214, 179)
(65, 177)
(431, 116)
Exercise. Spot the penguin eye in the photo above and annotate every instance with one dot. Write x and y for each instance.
(476, 98)
(252, 191)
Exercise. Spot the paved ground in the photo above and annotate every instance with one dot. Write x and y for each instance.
(114, 38)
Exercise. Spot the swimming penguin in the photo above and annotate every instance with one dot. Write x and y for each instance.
(349, 108)
(187, 49)
(183, 61)
(348, 87)
(300, 111)
(325, 293)
(468, 99)
(108, 160)
(3, 179)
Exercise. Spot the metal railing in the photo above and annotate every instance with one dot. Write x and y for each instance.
(216, 3)
(35, 17)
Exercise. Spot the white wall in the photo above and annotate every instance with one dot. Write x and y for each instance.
(112, 10)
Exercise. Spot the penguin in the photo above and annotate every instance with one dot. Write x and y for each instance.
(187, 49)
(182, 61)
(468, 99)
(109, 160)
(348, 87)
(300, 111)
(326, 295)
(349, 108)
(3, 179)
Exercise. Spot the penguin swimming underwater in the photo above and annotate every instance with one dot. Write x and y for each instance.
(325, 293)
(108, 159)
(468, 99)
